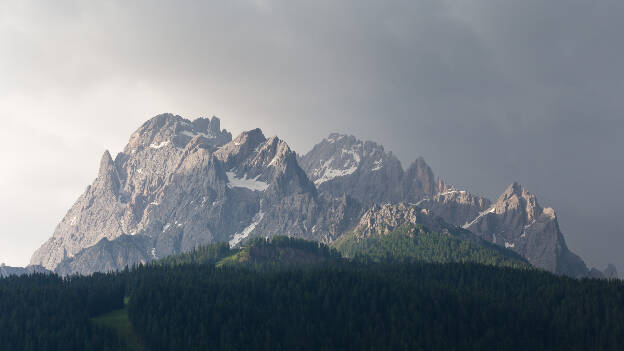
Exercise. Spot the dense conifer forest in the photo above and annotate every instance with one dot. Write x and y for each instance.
(413, 243)
(264, 296)
(46, 312)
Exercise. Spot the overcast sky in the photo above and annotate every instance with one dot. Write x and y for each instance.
(489, 92)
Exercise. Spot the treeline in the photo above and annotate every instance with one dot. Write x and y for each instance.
(212, 298)
(46, 312)
(280, 252)
(403, 245)
(348, 306)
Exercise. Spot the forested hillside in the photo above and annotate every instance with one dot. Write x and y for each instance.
(415, 243)
(46, 312)
(266, 297)
(351, 306)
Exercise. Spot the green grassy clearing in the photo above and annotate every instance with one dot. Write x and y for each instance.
(119, 322)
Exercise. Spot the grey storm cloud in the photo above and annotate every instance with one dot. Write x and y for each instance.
(489, 92)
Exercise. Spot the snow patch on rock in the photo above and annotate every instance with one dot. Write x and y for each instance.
(452, 191)
(244, 182)
(331, 173)
(245, 233)
(326, 172)
(158, 146)
(489, 210)
(193, 134)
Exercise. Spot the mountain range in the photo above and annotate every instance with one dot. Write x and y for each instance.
(179, 184)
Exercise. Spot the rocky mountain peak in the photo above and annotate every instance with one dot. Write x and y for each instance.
(108, 176)
(168, 130)
(273, 153)
(342, 164)
(420, 181)
(241, 147)
(181, 183)
(106, 164)
(208, 125)
(517, 221)
(517, 199)
(383, 219)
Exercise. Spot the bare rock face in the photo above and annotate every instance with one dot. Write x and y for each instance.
(179, 184)
(110, 255)
(455, 206)
(342, 164)
(127, 191)
(518, 222)
(95, 215)
(419, 182)
(383, 219)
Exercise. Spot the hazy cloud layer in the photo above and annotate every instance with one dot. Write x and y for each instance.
(487, 91)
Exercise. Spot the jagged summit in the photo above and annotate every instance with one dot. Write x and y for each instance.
(129, 189)
(517, 221)
(514, 188)
(180, 183)
(343, 164)
(518, 199)
(269, 164)
(420, 181)
(168, 130)
(106, 163)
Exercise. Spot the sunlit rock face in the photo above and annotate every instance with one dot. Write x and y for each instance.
(342, 164)
(517, 221)
(180, 183)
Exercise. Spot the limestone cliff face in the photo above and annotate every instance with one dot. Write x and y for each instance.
(383, 219)
(127, 191)
(455, 206)
(342, 164)
(517, 221)
(179, 184)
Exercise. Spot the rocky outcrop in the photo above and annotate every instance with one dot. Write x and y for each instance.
(383, 219)
(455, 206)
(129, 189)
(517, 221)
(342, 164)
(180, 184)
(401, 231)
